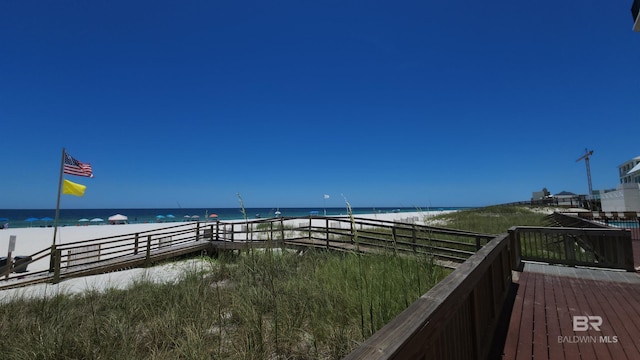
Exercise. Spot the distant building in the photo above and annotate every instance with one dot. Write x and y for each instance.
(626, 197)
(563, 198)
(538, 196)
(630, 171)
(566, 198)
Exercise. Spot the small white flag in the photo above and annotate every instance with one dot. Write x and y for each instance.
(326, 196)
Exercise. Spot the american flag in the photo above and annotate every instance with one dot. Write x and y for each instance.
(75, 167)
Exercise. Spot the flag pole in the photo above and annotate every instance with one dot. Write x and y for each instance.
(55, 222)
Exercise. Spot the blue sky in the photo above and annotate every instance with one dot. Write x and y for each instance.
(390, 103)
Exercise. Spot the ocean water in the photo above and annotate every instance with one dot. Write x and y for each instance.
(19, 218)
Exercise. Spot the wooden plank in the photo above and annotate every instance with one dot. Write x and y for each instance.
(563, 314)
(525, 338)
(575, 309)
(620, 306)
(552, 303)
(587, 306)
(540, 339)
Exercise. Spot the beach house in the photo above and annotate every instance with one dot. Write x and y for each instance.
(626, 197)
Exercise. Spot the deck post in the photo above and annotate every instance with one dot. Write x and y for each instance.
(282, 229)
(394, 240)
(478, 245)
(217, 230)
(326, 219)
(52, 261)
(148, 256)
(413, 237)
(516, 254)
(197, 230)
(57, 255)
(136, 244)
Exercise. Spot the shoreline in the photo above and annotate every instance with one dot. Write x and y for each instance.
(44, 218)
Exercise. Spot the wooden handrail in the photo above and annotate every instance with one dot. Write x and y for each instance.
(594, 246)
(410, 237)
(461, 305)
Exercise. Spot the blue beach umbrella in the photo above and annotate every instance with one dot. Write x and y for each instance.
(83, 220)
(46, 220)
(170, 216)
(31, 220)
(97, 220)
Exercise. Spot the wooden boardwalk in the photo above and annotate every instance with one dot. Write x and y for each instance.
(547, 299)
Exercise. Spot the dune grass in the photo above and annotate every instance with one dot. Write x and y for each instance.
(259, 305)
(493, 219)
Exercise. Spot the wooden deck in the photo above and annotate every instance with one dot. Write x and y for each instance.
(547, 298)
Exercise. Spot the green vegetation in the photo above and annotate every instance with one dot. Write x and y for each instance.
(494, 219)
(255, 305)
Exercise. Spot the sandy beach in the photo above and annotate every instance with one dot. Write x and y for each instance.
(32, 240)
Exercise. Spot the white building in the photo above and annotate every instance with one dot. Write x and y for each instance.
(627, 196)
(630, 171)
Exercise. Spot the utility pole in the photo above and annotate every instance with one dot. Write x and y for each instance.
(587, 154)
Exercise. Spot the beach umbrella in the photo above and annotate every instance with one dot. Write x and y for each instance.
(170, 216)
(97, 220)
(118, 219)
(160, 216)
(4, 219)
(213, 215)
(46, 220)
(195, 217)
(31, 220)
(83, 220)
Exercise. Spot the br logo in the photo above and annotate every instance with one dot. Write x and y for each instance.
(584, 323)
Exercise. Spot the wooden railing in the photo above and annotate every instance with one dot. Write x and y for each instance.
(106, 254)
(582, 239)
(112, 253)
(608, 248)
(115, 251)
(361, 234)
(456, 319)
